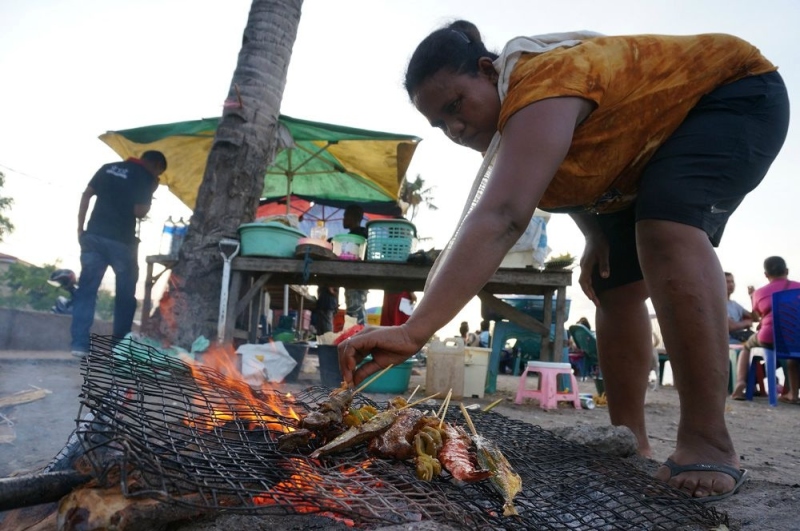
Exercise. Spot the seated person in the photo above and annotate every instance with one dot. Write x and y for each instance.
(470, 338)
(777, 273)
(484, 338)
(508, 356)
(739, 319)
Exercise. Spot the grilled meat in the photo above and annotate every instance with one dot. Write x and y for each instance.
(427, 443)
(395, 443)
(329, 412)
(289, 442)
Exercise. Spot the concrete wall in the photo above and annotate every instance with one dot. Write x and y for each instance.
(28, 330)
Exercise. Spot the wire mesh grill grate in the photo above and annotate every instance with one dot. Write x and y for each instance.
(199, 438)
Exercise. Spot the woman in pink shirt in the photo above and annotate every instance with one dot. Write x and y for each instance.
(777, 273)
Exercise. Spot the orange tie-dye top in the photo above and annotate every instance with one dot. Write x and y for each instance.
(643, 87)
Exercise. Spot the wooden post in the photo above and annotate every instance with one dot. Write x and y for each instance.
(547, 353)
(561, 317)
(147, 303)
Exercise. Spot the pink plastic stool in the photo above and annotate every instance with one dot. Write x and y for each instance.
(547, 394)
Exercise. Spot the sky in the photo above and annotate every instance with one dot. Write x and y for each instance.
(74, 69)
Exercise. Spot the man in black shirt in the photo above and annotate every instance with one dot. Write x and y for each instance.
(124, 191)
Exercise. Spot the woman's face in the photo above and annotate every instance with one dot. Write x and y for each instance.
(466, 107)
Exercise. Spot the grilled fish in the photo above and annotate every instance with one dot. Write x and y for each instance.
(455, 456)
(357, 434)
(503, 478)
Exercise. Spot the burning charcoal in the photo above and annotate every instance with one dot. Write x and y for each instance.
(289, 442)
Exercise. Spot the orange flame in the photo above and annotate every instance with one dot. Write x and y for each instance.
(247, 405)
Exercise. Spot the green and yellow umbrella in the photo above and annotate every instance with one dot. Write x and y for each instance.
(319, 162)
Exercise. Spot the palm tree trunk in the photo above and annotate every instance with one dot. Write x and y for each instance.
(243, 148)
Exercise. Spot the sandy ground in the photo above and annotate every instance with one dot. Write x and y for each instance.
(765, 437)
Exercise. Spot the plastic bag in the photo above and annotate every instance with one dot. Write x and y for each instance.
(534, 240)
(268, 362)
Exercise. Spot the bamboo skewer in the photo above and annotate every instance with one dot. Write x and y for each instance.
(412, 394)
(468, 419)
(492, 405)
(445, 406)
(441, 408)
(374, 377)
(421, 400)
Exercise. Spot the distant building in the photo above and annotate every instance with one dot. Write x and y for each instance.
(6, 260)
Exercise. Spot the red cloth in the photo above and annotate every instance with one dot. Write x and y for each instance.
(390, 313)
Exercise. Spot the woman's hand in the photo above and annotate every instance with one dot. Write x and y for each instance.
(595, 254)
(388, 345)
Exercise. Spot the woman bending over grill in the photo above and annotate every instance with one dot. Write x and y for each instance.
(650, 143)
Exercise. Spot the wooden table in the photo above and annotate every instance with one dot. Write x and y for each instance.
(249, 276)
(298, 294)
(167, 262)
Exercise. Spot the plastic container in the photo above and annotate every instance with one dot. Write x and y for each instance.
(298, 352)
(349, 246)
(445, 367)
(390, 240)
(587, 401)
(394, 381)
(268, 239)
(167, 235)
(476, 365)
(329, 372)
(320, 232)
(179, 235)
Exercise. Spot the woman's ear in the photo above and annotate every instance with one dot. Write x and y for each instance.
(486, 68)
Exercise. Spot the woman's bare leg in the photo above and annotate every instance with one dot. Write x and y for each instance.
(687, 286)
(793, 379)
(742, 366)
(625, 349)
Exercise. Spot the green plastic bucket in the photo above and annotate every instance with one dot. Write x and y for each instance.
(393, 381)
(268, 239)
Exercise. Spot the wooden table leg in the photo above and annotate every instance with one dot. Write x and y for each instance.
(255, 314)
(547, 353)
(147, 302)
(561, 317)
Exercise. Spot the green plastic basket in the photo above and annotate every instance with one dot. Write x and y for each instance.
(390, 240)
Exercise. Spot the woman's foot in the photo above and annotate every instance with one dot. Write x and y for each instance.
(739, 392)
(787, 399)
(702, 474)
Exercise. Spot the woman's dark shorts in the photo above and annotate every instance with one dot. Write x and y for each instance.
(698, 177)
